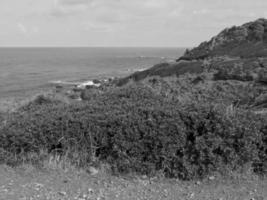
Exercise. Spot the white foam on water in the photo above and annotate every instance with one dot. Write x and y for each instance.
(81, 85)
(141, 69)
(64, 82)
(88, 83)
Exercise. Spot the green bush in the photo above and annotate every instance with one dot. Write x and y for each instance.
(136, 130)
(260, 165)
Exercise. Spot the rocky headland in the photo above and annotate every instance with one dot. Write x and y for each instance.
(236, 56)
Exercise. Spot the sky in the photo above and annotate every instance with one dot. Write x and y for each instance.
(120, 23)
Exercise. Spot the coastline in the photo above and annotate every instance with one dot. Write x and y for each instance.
(70, 90)
(10, 102)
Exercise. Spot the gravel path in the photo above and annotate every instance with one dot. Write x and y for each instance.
(28, 183)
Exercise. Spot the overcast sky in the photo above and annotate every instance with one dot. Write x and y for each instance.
(178, 23)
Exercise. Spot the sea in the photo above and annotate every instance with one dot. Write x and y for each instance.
(31, 69)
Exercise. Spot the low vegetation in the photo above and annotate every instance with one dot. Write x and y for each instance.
(137, 129)
(164, 70)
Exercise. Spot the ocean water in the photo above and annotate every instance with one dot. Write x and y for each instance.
(28, 69)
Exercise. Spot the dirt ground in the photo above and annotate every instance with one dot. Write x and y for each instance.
(29, 183)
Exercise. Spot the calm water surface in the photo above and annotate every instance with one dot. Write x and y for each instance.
(24, 69)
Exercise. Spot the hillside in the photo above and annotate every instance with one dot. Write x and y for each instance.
(164, 70)
(238, 44)
(246, 41)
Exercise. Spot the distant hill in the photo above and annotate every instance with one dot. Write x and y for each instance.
(163, 70)
(246, 41)
(239, 44)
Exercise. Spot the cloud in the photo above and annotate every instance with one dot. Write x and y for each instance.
(68, 7)
(22, 28)
(113, 8)
(201, 12)
(74, 2)
(27, 30)
(97, 27)
(126, 22)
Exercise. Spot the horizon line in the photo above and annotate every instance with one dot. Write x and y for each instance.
(94, 47)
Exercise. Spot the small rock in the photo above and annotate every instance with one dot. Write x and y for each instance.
(38, 186)
(198, 182)
(4, 190)
(92, 171)
(90, 190)
(257, 198)
(144, 177)
(191, 195)
(165, 192)
(212, 178)
(62, 193)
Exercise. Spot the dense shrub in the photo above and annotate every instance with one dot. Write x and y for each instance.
(137, 130)
(225, 75)
(215, 140)
(186, 90)
(260, 165)
(256, 31)
(2, 119)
